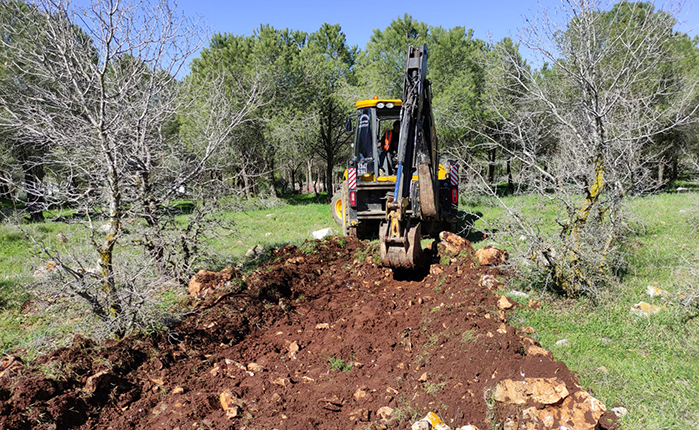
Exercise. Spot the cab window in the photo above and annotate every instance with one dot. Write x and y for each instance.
(365, 141)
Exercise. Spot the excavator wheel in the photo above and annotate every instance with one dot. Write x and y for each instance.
(337, 207)
(408, 255)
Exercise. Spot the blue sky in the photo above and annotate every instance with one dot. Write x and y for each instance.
(497, 18)
(358, 19)
(490, 20)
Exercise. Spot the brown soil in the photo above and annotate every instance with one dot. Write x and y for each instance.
(366, 338)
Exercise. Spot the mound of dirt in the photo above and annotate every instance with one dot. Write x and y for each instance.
(324, 339)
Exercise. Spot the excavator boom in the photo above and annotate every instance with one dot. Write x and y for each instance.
(400, 234)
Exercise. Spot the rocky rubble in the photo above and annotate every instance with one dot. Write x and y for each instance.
(490, 256)
(206, 281)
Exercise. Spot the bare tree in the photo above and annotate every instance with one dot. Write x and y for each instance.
(588, 126)
(98, 85)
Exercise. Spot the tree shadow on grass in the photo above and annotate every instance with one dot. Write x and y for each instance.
(466, 226)
(306, 199)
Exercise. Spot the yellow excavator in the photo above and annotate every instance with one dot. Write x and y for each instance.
(398, 191)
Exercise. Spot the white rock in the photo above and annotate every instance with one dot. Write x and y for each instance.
(547, 391)
(489, 281)
(563, 342)
(504, 303)
(519, 294)
(643, 309)
(254, 367)
(654, 291)
(620, 411)
(510, 425)
(385, 412)
(319, 234)
(421, 425)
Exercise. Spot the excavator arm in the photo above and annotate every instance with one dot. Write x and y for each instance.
(400, 234)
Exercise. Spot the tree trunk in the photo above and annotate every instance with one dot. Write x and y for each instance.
(675, 171)
(247, 187)
(33, 182)
(315, 184)
(270, 177)
(329, 177)
(309, 177)
(510, 183)
(567, 280)
(491, 166)
(106, 249)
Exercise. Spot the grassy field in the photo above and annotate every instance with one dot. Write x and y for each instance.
(648, 365)
(290, 223)
(20, 326)
(23, 325)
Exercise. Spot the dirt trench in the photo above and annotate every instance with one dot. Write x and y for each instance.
(325, 339)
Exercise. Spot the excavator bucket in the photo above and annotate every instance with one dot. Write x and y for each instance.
(403, 252)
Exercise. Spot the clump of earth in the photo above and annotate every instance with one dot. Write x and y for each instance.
(320, 337)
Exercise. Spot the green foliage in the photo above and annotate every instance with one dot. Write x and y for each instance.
(432, 339)
(268, 64)
(302, 108)
(329, 68)
(444, 260)
(339, 364)
(458, 77)
(382, 64)
(371, 251)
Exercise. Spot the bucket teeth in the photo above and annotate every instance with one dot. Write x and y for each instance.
(406, 255)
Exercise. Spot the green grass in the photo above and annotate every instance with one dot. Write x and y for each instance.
(20, 327)
(13, 249)
(648, 365)
(434, 387)
(272, 228)
(26, 327)
(467, 337)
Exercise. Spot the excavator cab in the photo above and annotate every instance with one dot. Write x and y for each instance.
(373, 117)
